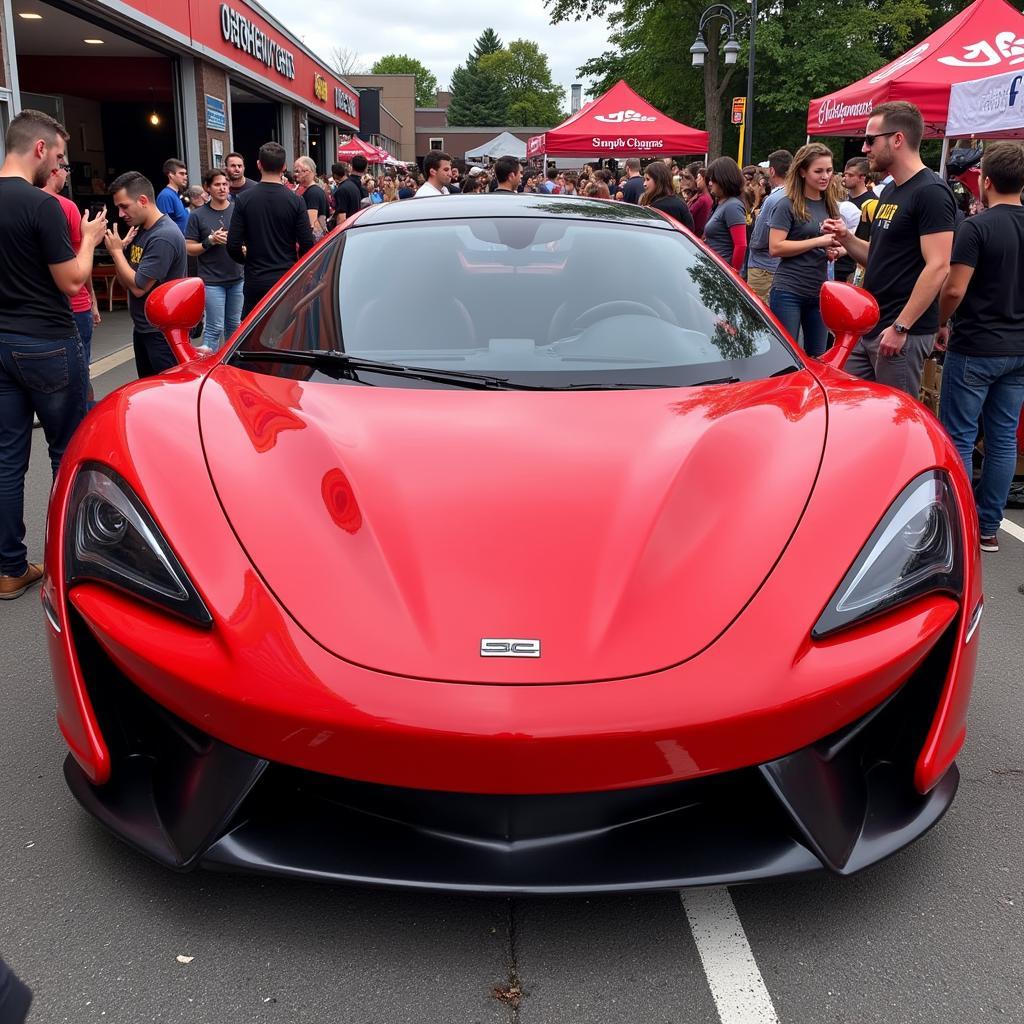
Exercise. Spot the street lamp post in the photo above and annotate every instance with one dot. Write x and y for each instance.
(699, 51)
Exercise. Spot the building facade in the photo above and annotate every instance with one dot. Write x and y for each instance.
(138, 81)
(388, 112)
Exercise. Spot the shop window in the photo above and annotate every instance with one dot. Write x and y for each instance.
(437, 144)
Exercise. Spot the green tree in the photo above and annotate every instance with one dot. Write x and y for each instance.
(650, 48)
(532, 98)
(400, 64)
(477, 94)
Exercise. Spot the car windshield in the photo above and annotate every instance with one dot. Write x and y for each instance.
(539, 302)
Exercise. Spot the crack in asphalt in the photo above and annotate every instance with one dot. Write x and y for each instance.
(511, 993)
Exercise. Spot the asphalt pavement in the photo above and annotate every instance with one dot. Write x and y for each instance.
(933, 935)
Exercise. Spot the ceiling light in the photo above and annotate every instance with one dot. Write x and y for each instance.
(30, 16)
(154, 119)
(93, 42)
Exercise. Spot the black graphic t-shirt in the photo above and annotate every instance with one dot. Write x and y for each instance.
(990, 319)
(155, 254)
(922, 205)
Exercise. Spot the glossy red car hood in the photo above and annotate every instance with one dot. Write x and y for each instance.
(624, 530)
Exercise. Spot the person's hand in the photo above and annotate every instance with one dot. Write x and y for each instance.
(93, 227)
(828, 241)
(890, 343)
(219, 237)
(942, 338)
(96, 318)
(113, 240)
(835, 226)
(834, 253)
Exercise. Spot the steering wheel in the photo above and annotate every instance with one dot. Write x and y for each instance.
(619, 307)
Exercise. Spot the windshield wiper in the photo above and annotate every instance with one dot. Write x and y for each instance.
(334, 359)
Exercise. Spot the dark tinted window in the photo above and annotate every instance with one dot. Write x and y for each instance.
(537, 300)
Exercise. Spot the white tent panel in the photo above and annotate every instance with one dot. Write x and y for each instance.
(505, 144)
(987, 107)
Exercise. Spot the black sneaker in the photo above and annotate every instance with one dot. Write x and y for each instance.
(989, 543)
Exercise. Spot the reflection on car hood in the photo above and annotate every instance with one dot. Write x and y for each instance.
(624, 530)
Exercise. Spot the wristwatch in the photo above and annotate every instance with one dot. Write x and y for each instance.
(900, 328)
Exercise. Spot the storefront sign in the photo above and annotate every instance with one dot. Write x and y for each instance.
(320, 88)
(251, 39)
(345, 102)
(216, 114)
(739, 109)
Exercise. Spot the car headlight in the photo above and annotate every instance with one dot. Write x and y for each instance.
(916, 549)
(111, 537)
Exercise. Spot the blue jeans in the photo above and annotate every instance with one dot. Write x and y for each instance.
(84, 323)
(46, 377)
(223, 312)
(989, 388)
(796, 311)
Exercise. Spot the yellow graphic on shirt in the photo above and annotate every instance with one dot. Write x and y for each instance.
(885, 213)
(135, 255)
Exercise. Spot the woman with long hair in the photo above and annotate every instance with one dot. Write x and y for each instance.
(659, 194)
(726, 229)
(701, 204)
(796, 236)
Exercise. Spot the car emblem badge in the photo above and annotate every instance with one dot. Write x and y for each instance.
(509, 648)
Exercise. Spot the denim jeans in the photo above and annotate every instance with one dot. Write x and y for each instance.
(43, 376)
(223, 312)
(84, 323)
(152, 353)
(796, 311)
(989, 388)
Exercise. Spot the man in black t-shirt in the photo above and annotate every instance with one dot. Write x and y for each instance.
(150, 253)
(269, 227)
(983, 294)
(348, 196)
(633, 187)
(907, 258)
(312, 195)
(42, 362)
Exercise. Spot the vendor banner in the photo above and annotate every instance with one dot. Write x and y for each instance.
(987, 106)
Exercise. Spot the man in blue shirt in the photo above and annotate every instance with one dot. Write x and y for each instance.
(169, 201)
(760, 266)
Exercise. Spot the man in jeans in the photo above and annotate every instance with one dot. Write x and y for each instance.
(42, 367)
(907, 258)
(761, 266)
(150, 253)
(983, 372)
(206, 238)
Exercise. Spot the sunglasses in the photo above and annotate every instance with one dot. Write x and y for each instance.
(869, 140)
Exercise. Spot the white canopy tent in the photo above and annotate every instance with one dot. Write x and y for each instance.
(505, 144)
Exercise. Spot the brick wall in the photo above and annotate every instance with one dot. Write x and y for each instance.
(211, 81)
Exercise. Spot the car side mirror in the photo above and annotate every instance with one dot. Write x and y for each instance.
(175, 308)
(849, 313)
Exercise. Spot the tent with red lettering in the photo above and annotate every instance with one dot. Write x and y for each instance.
(619, 123)
(982, 40)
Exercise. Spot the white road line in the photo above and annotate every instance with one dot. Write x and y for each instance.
(111, 362)
(1012, 529)
(736, 984)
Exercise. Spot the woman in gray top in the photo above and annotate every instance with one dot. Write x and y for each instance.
(796, 235)
(726, 229)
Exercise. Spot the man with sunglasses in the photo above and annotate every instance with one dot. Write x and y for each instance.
(907, 256)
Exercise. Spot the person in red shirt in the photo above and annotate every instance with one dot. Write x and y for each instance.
(84, 308)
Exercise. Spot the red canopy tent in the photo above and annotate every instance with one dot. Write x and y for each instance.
(984, 38)
(619, 123)
(357, 147)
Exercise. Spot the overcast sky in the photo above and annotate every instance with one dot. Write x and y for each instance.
(440, 34)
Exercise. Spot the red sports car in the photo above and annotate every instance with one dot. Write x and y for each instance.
(512, 547)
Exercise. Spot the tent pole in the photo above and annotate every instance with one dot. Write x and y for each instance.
(944, 157)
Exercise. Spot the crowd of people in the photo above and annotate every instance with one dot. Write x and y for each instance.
(943, 279)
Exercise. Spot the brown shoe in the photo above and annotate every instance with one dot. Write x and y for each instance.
(14, 586)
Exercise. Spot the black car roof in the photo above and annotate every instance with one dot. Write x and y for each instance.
(458, 207)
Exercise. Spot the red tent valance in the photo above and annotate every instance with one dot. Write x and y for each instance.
(981, 40)
(357, 147)
(619, 123)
